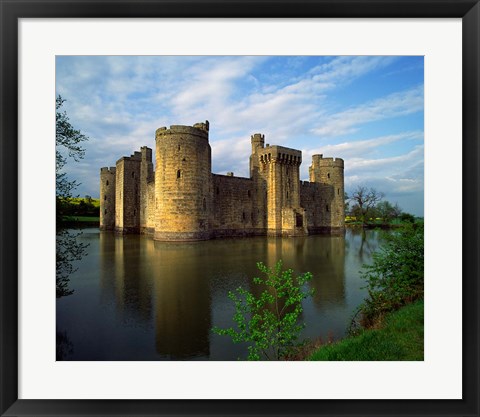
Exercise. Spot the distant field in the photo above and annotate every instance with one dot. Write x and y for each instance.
(77, 200)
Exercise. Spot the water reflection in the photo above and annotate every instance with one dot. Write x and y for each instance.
(182, 312)
(143, 300)
(64, 349)
(123, 278)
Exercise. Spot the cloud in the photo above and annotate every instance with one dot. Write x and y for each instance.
(343, 70)
(373, 165)
(119, 102)
(394, 105)
(400, 178)
(355, 149)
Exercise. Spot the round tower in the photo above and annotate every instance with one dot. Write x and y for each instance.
(329, 172)
(183, 177)
(107, 198)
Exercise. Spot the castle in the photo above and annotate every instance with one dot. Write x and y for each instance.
(182, 200)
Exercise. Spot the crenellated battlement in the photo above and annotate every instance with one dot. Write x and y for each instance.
(198, 129)
(146, 153)
(258, 138)
(108, 170)
(319, 160)
(280, 154)
(136, 157)
(308, 184)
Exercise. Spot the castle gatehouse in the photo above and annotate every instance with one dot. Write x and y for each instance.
(183, 200)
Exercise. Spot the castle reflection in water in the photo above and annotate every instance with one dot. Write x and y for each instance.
(142, 299)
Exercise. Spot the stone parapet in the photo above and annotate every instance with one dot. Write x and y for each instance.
(199, 130)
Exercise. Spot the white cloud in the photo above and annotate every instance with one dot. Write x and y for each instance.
(345, 69)
(120, 102)
(362, 148)
(394, 105)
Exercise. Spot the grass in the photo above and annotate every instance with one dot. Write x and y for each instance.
(76, 201)
(89, 219)
(398, 338)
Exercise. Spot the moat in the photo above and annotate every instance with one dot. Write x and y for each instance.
(139, 299)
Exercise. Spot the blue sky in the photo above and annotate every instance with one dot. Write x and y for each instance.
(368, 110)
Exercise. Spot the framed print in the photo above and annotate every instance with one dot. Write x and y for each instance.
(140, 325)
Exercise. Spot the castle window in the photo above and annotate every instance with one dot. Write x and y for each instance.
(298, 220)
(338, 191)
(105, 197)
(326, 207)
(243, 216)
(218, 190)
(248, 193)
(287, 194)
(328, 175)
(134, 212)
(107, 182)
(133, 174)
(179, 174)
(105, 212)
(178, 147)
(204, 204)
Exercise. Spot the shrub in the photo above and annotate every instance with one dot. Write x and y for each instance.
(268, 322)
(396, 275)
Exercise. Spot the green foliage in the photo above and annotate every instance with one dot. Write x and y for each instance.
(407, 217)
(81, 219)
(387, 212)
(365, 201)
(269, 322)
(400, 338)
(396, 275)
(67, 145)
(68, 249)
(83, 207)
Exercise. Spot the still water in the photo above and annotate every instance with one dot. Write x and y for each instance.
(137, 299)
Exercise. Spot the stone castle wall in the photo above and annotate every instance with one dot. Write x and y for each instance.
(127, 202)
(146, 177)
(183, 183)
(107, 201)
(329, 173)
(182, 200)
(234, 211)
(151, 205)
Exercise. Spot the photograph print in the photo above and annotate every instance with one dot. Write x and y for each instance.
(224, 208)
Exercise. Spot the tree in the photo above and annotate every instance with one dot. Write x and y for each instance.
(269, 321)
(386, 211)
(68, 250)
(346, 199)
(396, 275)
(407, 217)
(67, 145)
(365, 201)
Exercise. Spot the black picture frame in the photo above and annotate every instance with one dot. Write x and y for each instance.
(11, 11)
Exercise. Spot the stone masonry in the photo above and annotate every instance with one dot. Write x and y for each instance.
(182, 200)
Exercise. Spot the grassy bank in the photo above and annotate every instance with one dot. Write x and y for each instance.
(81, 219)
(399, 337)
